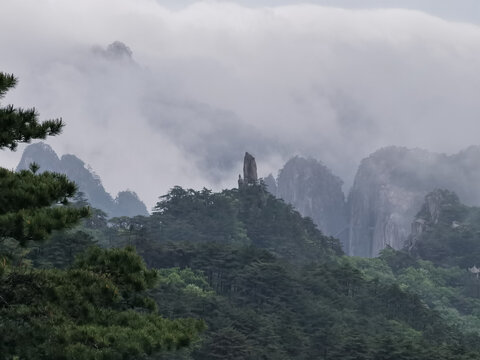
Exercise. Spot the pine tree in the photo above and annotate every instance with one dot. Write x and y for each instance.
(20, 125)
(31, 204)
(96, 308)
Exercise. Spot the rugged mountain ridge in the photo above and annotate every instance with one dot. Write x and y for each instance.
(126, 203)
(388, 191)
(390, 187)
(381, 203)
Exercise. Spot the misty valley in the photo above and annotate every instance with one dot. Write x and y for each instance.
(240, 273)
(239, 180)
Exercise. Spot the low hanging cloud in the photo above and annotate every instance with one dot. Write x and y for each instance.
(155, 97)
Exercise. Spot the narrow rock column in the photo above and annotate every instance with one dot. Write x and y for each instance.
(249, 170)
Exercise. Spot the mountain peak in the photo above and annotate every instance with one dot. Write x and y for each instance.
(127, 203)
(42, 154)
(315, 192)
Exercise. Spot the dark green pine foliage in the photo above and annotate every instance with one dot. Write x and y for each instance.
(249, 216)
(453, 237)
(269, 285)
(258, 306)
(31, 204)
(61, 249)
(22, 125)
(96, 309)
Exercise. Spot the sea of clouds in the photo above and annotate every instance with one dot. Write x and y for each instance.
(155, 96)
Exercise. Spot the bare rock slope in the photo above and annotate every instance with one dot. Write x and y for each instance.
(315, 192)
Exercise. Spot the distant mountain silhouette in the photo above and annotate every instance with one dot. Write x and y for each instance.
(126, 203)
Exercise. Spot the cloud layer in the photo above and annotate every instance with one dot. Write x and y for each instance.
(184, 93)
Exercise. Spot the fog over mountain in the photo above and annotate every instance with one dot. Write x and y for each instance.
(90, 187)
(155, 96)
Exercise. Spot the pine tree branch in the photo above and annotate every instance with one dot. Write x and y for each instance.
(19, 125)
(7, 81)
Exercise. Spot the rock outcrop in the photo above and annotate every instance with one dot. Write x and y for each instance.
(315, 192)
(127, 203)
(249, 169)
(390, 187)
(250, 176)
(388, 191)
(436, 204)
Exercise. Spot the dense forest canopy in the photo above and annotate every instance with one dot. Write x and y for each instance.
(227, 258)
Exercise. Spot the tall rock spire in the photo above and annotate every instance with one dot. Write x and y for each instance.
(249, 169)
(249, 172)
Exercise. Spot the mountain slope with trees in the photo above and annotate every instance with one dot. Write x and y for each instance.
(270, 286)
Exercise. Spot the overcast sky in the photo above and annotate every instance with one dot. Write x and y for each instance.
(190, 85)
(455, 10)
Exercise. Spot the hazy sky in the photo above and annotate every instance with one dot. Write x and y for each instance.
(456, 10)
(196, 84)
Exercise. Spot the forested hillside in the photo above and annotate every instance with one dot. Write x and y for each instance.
(269, 285)
(446, 231)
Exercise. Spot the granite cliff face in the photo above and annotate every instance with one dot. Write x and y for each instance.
(315, 192)
(390, 187)
(127, 203)
(388, 191)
